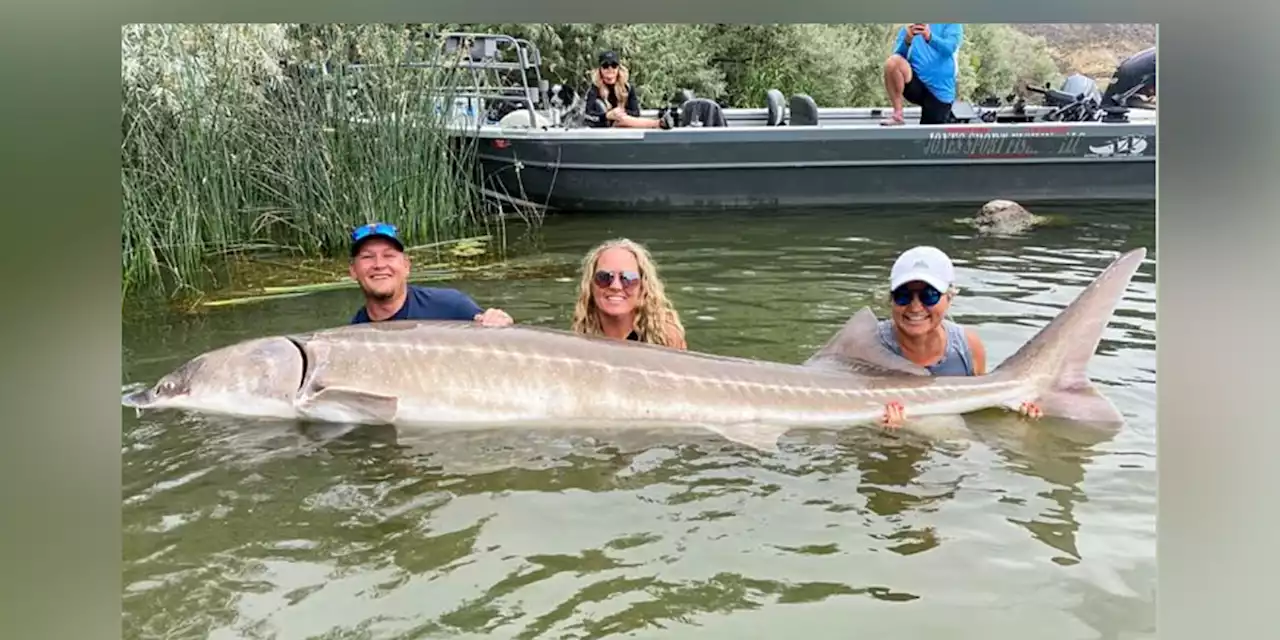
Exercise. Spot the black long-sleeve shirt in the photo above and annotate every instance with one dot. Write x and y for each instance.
(594, 116)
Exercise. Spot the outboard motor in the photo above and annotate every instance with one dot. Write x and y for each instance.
(1081, 87)
(1077, 101)
(1134, 75)
(1075, 89)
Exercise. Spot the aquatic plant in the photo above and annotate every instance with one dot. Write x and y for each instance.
(267, 138)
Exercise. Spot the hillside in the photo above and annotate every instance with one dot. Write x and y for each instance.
(1091, 49)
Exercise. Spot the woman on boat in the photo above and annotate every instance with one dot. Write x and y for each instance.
(618, 105)
(622, 297)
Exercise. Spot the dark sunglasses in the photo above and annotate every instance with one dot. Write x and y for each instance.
(609, 65)
(928, 296)
(378, 228)
(629, 279)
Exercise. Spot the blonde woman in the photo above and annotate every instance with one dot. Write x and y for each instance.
(622, 297)
(617, 104)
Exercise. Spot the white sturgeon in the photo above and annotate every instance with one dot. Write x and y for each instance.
(416, 374)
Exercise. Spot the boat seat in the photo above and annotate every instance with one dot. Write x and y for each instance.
(777, 108)
(804, 111)
(962, 111)
(702, 112)
(519, 119)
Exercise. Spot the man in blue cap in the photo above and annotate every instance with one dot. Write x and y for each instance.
(381, 268)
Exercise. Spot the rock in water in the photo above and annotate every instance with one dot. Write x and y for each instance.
(1005, 217)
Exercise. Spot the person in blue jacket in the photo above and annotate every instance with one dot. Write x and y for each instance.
(381, 268)
(923, 70)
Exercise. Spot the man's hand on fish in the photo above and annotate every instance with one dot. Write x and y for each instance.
(494, 318)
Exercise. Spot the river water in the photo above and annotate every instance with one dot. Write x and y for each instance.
(240, 530)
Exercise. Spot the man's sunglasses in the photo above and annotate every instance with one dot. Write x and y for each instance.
(928, 296)
(629, 279)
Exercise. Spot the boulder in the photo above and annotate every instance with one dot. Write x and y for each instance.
(1003, 217)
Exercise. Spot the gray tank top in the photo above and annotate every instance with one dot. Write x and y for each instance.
(956, 360)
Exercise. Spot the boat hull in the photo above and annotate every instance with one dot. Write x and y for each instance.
(790, 166)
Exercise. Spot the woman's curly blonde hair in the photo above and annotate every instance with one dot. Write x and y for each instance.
(619, 85)
(656, 317)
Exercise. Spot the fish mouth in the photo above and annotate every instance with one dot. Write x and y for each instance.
(139, 398)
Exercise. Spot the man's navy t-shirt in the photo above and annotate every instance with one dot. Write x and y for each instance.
(426, 303)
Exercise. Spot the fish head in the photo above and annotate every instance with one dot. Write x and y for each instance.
(253, 378)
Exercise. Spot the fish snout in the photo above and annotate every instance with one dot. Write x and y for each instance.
(140, 399)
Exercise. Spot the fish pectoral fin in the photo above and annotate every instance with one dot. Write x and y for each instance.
(761, 437)
(856, 348)
(340, 404)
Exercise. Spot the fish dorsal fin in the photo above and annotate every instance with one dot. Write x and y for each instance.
(857, 348)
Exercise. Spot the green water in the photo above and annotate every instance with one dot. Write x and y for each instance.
(240, 530)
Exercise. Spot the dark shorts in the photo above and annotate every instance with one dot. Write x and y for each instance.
(932, 110)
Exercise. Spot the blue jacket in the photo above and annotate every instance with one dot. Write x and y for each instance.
(934, 61)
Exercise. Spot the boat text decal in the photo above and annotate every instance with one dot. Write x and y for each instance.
(1002, 144)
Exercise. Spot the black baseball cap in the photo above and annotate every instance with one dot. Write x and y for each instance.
(608, 57)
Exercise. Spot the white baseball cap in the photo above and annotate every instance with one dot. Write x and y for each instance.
(926, 264)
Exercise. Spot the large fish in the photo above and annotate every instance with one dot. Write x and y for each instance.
(451, 375)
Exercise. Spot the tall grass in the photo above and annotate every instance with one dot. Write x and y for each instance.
(249, 137)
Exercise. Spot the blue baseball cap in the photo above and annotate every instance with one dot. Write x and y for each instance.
(375, 230)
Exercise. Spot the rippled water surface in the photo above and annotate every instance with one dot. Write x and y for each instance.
(243, 530)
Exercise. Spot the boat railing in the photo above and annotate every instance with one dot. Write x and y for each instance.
(480, 74)
(493, 78)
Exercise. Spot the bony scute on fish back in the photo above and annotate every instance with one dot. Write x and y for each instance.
(551, 378)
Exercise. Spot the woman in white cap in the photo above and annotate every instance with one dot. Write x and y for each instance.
(922, 286)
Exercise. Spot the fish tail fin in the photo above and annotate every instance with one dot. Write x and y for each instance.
(1057, 357)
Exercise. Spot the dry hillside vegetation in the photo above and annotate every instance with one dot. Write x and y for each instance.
(1092, 49)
